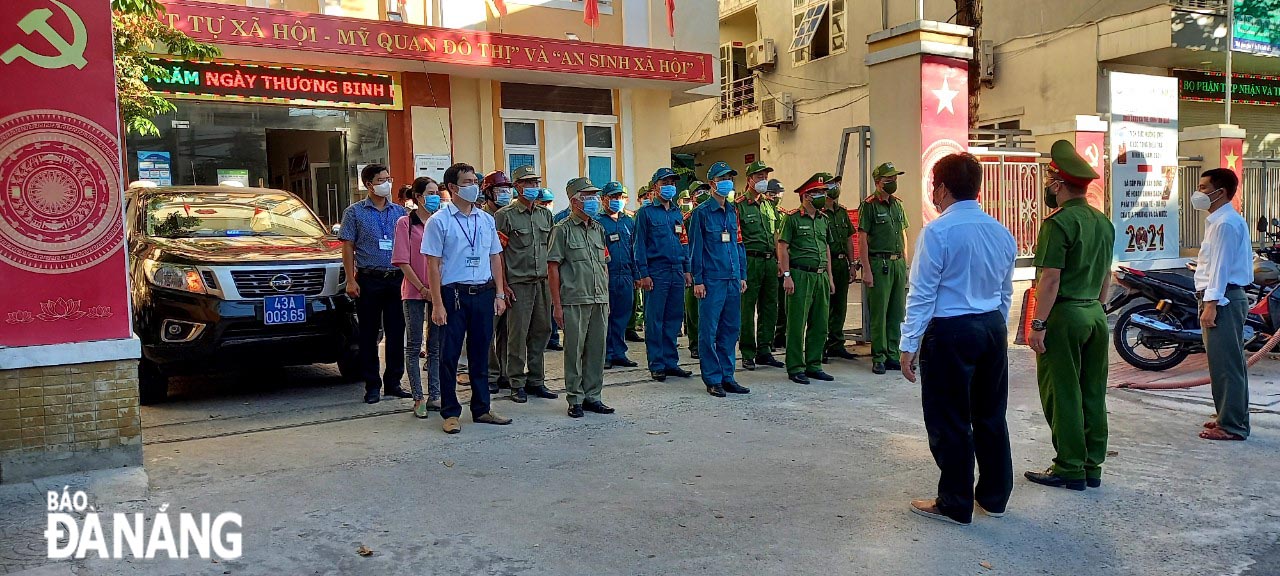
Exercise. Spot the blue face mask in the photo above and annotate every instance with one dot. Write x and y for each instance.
(531, 194)
(724, 187)
(591, 205)
(431, 203)
(615, 205)
(503, 198)
(546, 195)
(646, 202)
(667, 192)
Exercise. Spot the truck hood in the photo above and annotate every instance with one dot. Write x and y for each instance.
(243, 250)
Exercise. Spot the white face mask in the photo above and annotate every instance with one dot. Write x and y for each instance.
(469, 193)
(1201, 201)
(383, 189)
(762, 186)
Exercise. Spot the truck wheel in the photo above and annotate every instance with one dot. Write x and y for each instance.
(1131, 343)
(349, 364)
(153, 385)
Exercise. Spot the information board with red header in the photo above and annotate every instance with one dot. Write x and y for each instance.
(62, 257)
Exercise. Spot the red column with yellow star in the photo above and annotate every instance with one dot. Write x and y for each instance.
(1220, 146)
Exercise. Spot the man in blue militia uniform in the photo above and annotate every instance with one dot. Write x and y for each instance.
(719, 267)
(619, 231)
(664, 274)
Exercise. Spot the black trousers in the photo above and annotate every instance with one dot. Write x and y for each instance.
(379, 306)
(964, 376)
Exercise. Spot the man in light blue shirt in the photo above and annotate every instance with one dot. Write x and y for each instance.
(468, 290)
(957, 310)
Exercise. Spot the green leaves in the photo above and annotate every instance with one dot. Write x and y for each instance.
(139, 33)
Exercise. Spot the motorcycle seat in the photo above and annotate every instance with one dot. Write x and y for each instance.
(1179, 280)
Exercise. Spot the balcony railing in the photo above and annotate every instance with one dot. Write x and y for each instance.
(1219, 6)
(738, 98)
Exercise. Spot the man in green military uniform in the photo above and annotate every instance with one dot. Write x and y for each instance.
(1069, 329)
(840, 226)
(805, 261)
(697, 193)
(759, 222)
(774, 195)
(579, 280)
(526, 228)
(882, 240)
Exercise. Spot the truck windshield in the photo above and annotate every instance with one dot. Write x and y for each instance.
(227, 215)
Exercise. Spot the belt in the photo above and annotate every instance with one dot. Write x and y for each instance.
(888, 255)
(818, 270)
(761, 254)
(471, 288)
(1230, 287)
(379, 273)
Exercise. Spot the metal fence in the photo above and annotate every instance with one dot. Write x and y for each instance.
(1260, 195)
(1012, 193)
(738, 98)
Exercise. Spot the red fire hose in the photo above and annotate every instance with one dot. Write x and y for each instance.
(1200, 381)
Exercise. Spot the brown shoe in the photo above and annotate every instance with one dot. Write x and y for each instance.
(451, 425)
(492, 418)
(929, 509)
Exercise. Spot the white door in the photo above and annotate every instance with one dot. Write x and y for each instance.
(562, 158)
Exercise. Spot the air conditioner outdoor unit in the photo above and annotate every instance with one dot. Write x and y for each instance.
(761, 54)
(777, 110)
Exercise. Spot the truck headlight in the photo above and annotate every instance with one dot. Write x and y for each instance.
(174, 276)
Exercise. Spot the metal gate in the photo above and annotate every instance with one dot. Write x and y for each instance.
(1012, 192)
(861, 136)
(1261, 189)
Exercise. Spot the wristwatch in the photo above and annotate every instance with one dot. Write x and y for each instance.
(1038, 325)
(501, 296)
(786, 274)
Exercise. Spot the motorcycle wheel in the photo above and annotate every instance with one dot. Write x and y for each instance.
(1127, 342)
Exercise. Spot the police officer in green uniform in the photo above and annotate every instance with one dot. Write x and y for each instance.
(805, 260)
(697, 193)
(579, 281)
(775, 190)
(759, 221)
(526, 228)
(882, 240)
(1069, 329)
(840, 225)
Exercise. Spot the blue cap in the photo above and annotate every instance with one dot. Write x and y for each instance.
(720, 169)
(613, 189)
(663, 173)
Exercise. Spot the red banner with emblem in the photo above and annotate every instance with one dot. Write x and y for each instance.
(62, 254)
(944, 119)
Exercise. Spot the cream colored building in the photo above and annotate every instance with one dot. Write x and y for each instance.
(1046, 62)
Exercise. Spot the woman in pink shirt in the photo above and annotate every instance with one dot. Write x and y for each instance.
(424, 198)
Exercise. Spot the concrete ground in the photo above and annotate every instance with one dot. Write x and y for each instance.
(788, 480)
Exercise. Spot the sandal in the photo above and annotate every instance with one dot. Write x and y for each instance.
(1212, 424)
(1220, 434)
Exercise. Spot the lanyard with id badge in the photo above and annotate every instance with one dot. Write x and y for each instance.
(472, 260)
(385, 243)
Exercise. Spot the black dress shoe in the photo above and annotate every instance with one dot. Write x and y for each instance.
(372, 396)
(826, 359)
(493, 388)
(597, 406)
(608, 364)
(1093, 482)
(504, 384)
(633, 336)
(541, 392)
(799, 378)
(892, 365)
(659, 376)
(575, 411)
(716, 391)
(625, 363)
(519, 396)
(768, 360)
(694, 353)
(681, 372)
(748, 364)
(820, 375)
(553, 345)
(842, 353)
(1048, 478)
(780, 343)
(735, 388)
(878, 368)
(397, 392)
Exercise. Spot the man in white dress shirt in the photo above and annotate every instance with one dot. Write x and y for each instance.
(1224, 268)
(957, 310)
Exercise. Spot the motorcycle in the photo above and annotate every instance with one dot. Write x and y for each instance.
(1160, 332)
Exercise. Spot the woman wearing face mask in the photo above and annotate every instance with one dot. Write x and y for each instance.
(424, 197)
